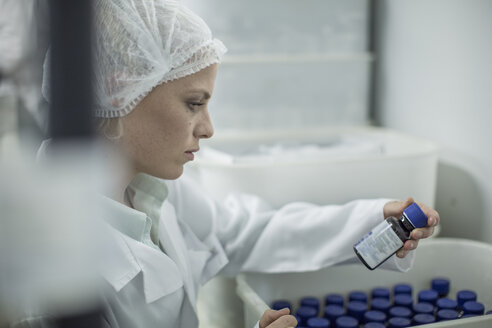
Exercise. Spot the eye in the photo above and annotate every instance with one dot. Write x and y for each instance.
(194, 105)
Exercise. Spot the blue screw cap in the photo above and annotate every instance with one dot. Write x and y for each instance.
(318, 323)
(334, 299)
(415, 215)
(356, 309)
(310, 301)
(472, 307)
(465, 296)
(380, 304)
(402, 289)
(357, 296)
(399, 322)
(405, 300)
(428, 296)
(422, 319)
(347, 322)
(374, 325)
(281, 304)
(424, 308)
(440, 285)
(374, 316)
(381, 292)
(444, 315)
(400, 312)
(446, 303)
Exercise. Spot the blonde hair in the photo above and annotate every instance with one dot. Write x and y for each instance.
(110, 128)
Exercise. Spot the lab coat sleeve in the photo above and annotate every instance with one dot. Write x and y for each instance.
(297, 237)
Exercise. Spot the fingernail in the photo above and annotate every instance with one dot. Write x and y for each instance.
(418, 234)
(432, 221)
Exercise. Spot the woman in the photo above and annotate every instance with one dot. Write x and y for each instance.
(157, 64)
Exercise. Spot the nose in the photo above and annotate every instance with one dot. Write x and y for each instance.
(204, 129)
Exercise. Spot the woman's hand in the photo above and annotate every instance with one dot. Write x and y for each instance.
(395, 208)
(277, 319)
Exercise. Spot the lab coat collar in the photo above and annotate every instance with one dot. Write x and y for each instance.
(128, 256)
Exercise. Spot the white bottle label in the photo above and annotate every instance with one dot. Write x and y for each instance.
(378, 244)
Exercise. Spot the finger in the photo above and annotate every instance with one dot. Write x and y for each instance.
(402, 253)
(433, 217)
(421, 233)
(410, 245)
(285, 321)
(270, 316)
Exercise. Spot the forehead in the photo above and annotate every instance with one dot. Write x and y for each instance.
(202, 80)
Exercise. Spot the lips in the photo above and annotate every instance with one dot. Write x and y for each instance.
(190, 155)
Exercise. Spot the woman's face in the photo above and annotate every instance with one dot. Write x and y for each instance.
(161, 134)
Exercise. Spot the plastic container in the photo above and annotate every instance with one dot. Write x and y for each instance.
(257, 290)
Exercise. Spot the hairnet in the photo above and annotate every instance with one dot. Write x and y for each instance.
(140, 44)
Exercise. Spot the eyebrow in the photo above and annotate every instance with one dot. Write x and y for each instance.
(206, 94)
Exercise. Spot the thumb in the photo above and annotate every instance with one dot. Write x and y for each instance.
(270, 316)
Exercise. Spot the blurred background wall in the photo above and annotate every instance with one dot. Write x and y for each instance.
(434, 80)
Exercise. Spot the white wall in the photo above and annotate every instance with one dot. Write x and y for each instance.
(434, 79)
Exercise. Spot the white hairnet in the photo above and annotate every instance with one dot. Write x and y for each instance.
(140, 44)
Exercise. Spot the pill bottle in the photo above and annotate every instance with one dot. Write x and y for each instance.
(402, 289)
(311, 302)
(356, 310)
(428, 296)
(444, 315)
(380, 304)
(441, 286)
(334, 299)
(464, 296)
(304, 313)
(374, 316)
(318, 323)
(346, 322)
(358, 296)
(389, 236)
(380, 292)
(422, 319)
(397, 322)
(400, 312)
(404, 300)
(374, 325)
(423, 308)
(281, 304)
(332, 312)
(446, 304)
(472, 307)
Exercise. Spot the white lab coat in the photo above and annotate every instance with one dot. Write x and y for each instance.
(148, 287)
(202, 237)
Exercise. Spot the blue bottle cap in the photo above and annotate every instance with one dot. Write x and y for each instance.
(318, 323)
(347, 322)
(402, 289)
(488, 312)
(440, 285)
(405, 300)
(423, 318)
(380, 304)
(443, 315)
(464, 316)
(357, 296)
(446, 303)
(397, 322)
(374, 325)
(333, 311)
(281, 304)
(424, 308)
(464, 296)
(374, 316)
(472, 307)
(310, 301)
(415, 215)
(400, 312)
(335, 299)
(304, 313)
(381, 292)
(428, 296)
(356, 309)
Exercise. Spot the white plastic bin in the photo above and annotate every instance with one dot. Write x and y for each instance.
(406, 167)
(466, 263)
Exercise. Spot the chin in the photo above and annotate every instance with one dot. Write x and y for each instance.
(172, 174)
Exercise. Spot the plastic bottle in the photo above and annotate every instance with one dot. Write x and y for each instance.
(358, 296)
(400, 312)
(444, 315)
(464, 296)
(332, 312)
(446, 303)
(380, 292)
(402, 289)
(389, 236)
(318, 323)
(422, 319)
(404, 300)
(423, 308)
(397, 322)
(374, 316)
(334, 299)
(281, 304)
(311, 302)
(304, 313)
(347, 322)
(428, 296)
(472, 307)
(356, 310)
(441, 286)
(380, 304)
